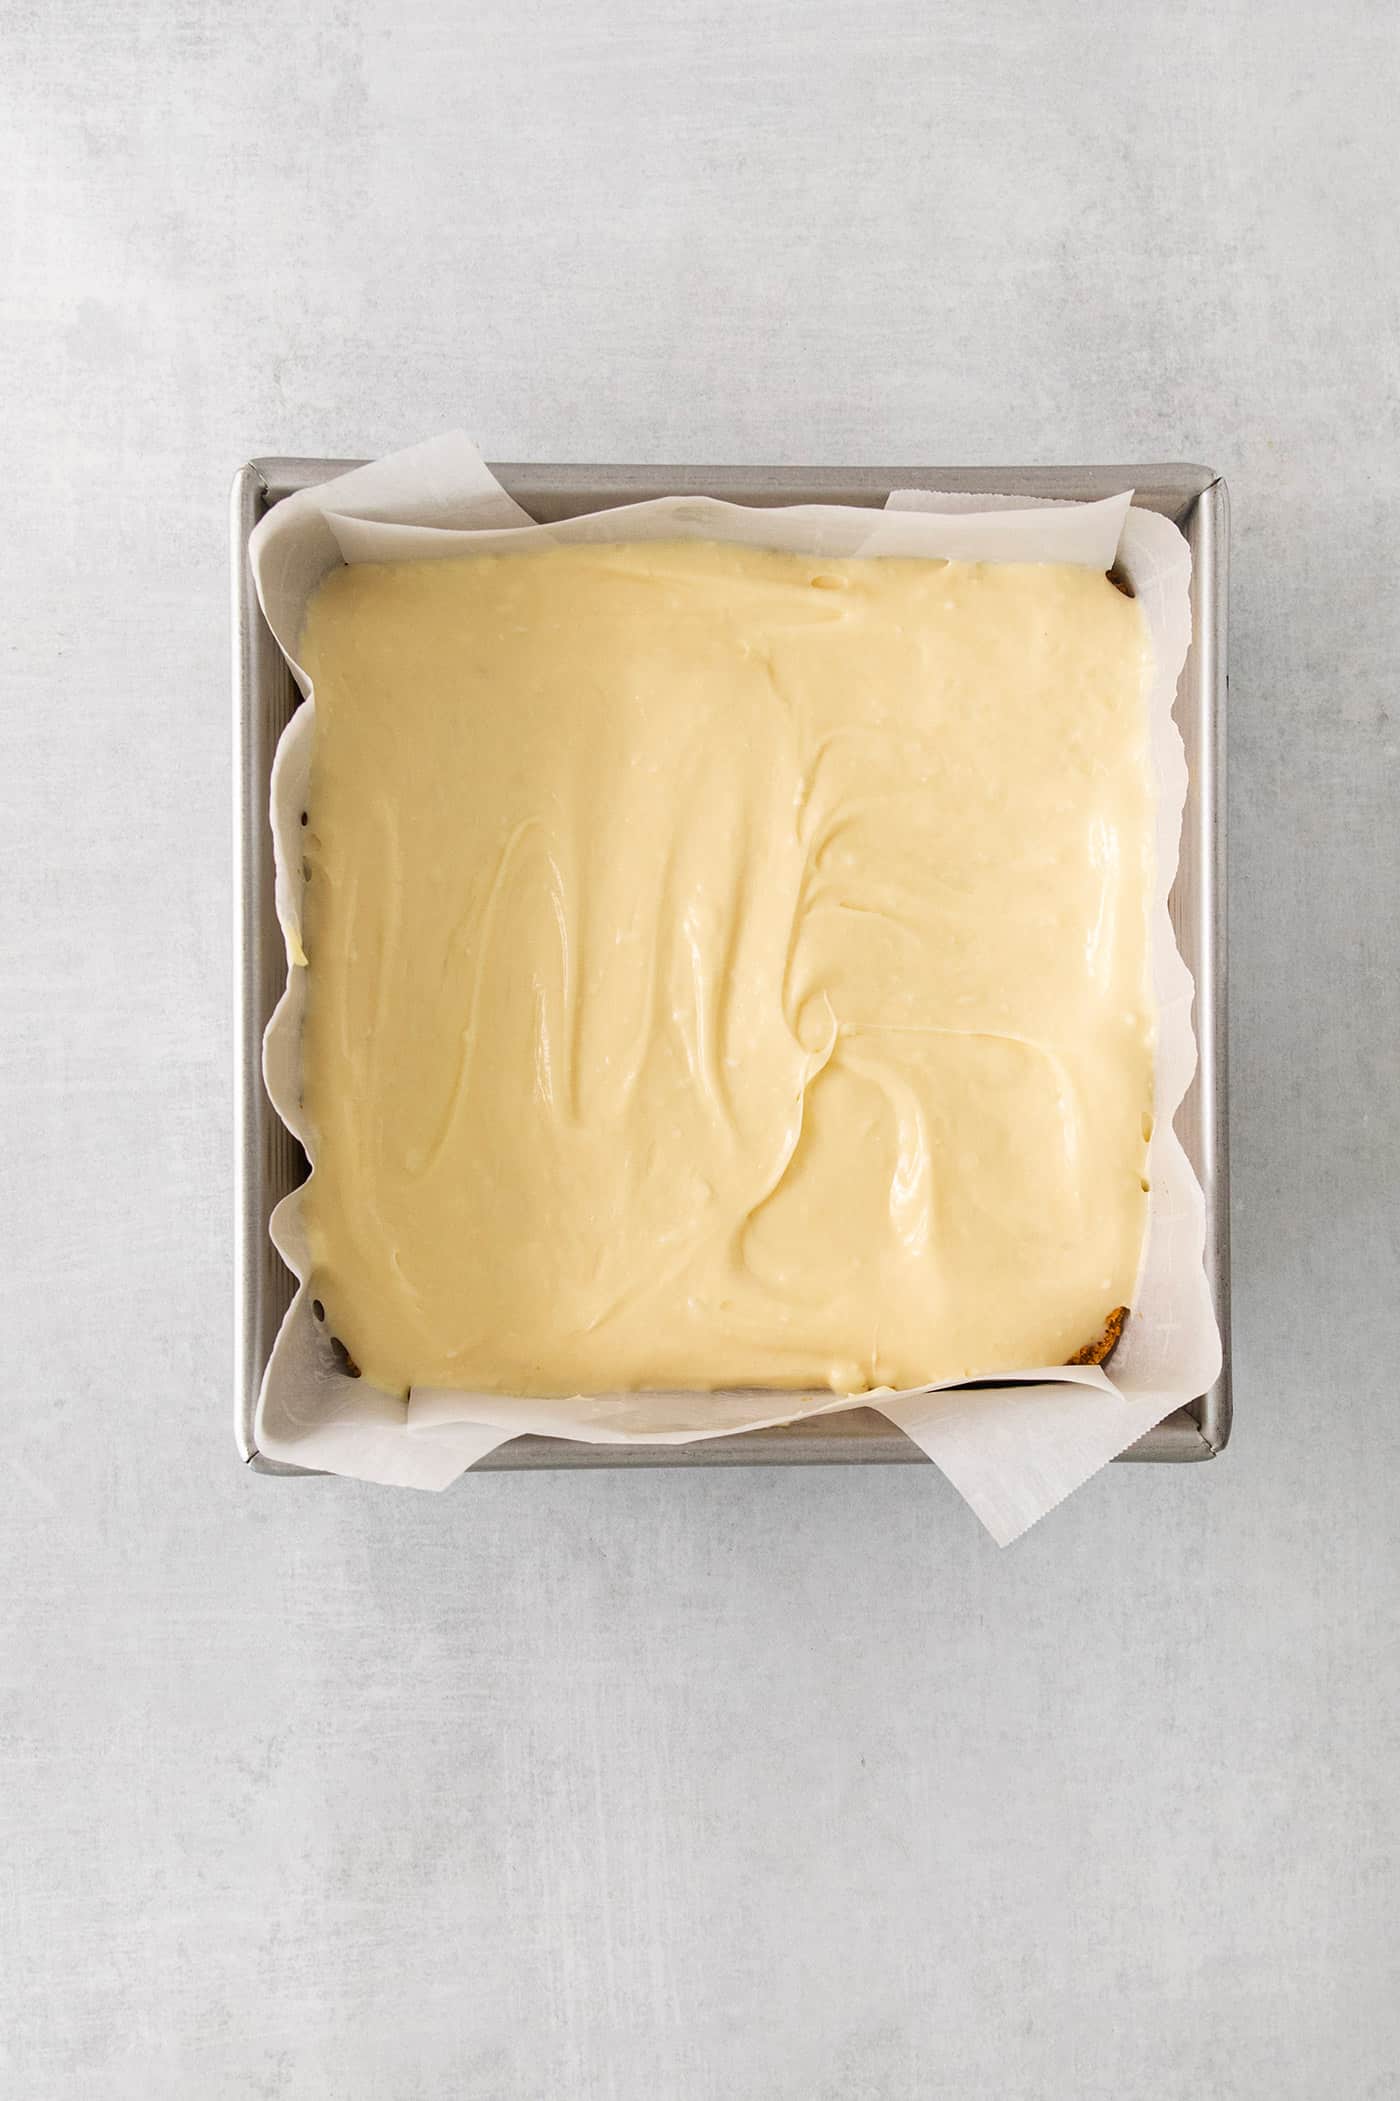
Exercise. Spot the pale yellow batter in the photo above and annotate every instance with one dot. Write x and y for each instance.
(726, 968)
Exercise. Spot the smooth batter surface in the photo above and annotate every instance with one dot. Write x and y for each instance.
(726, 968)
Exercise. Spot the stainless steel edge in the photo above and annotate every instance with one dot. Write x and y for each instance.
(247, 499)
(268, 1161)
(1210, 543)
(549, 492)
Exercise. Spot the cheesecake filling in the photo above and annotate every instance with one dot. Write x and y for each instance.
(727, 968)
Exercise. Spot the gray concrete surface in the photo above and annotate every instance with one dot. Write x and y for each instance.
(770, 1786)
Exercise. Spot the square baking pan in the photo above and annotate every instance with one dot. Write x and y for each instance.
(268, 1160)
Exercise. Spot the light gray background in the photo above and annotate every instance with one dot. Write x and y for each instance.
(749, 1785)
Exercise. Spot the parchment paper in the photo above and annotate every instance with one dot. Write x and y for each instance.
(1013, 1450)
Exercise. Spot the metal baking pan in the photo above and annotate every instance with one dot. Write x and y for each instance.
(269, 1162)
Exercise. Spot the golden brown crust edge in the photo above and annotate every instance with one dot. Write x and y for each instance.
(1100, 1350)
